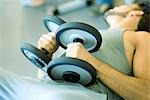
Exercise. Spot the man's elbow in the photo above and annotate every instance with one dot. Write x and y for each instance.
(141, 96)
(141, 93)
(145, 96)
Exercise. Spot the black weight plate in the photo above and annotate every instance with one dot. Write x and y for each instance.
(58, 66)
(68, 31)
(36, 56)
(52, 23)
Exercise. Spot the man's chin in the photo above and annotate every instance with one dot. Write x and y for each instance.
(109, 13)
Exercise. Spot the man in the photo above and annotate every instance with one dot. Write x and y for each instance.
(123, 61)
(122, 64)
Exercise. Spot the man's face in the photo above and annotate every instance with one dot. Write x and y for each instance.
(122, 10)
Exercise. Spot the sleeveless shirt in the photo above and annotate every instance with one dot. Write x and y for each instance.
(112, 52)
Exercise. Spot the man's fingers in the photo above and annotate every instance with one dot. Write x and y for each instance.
(52, 34)
(48, 42)
(49, 37)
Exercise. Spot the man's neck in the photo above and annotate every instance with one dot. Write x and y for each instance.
(120, 22)
(123, 24)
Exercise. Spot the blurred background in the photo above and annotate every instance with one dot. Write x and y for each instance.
(21, 21)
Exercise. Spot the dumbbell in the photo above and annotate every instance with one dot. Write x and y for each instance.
(40, 57)
(71, 6)
(66, 68)
(72, 69)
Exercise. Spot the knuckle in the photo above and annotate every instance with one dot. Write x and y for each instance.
(78, 45)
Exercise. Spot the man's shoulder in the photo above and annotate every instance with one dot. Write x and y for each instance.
(142, 38)
(136, 37)
(143, 35)
(138, 34)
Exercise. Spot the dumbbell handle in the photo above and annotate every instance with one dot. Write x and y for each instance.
(45, 51)
(78, 40)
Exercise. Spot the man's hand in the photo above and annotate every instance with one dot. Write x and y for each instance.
(77, 50)
(48, 42)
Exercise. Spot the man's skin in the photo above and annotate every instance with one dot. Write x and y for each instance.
(137, 49)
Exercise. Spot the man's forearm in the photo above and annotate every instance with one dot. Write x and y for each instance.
(128, 87)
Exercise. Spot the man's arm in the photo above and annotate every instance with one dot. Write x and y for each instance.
(131, 88)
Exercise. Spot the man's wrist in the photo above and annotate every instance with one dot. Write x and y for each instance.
(50, 55)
